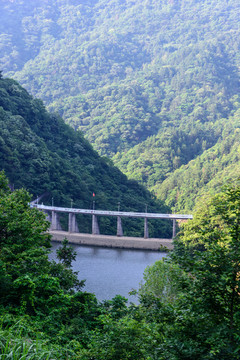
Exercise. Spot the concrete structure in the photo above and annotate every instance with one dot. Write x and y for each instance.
(123, 242)
(119, 226)
(55, 224)
(72, 224)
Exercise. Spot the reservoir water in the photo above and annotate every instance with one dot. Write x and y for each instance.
(110, 272)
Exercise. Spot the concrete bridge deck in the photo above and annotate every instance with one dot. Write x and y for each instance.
(123, 242)
(53, 217)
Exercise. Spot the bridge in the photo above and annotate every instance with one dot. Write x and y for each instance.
(55, 227)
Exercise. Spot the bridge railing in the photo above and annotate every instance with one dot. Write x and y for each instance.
(72, 224)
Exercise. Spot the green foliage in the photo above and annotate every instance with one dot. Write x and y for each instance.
(192, 298)
(189, 304)
(163, 280)
(19, 339)
(44, 315)
(39, 151)
(66, 253)
(121, 339)
(208, 250)
(206, 174)
(151, 84)
(15, 348)
(29, 282)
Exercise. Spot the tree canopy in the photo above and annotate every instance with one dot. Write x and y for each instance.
(199, 284)
(46, 156)
(189, 303)
(152, 84)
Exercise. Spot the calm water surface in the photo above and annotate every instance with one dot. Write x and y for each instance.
(110, 272)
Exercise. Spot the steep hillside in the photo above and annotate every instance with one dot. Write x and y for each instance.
(152, 84)
(207, 173)
(40, 152)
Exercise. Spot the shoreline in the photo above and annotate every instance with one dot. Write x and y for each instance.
(110, 241)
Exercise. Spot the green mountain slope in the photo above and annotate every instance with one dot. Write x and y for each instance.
(206, 174)
(151, 84)
(40, 152)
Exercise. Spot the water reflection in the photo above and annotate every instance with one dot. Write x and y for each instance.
(109, 272)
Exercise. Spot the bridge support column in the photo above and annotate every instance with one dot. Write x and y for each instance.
(119, 226)
(55, 224)
(174, 228)
(72, 224)
(95, 227)
(146, 235)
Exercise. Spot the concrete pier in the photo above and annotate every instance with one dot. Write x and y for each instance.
(95, 227)
(55, 224)
(72, 223)
(123, 242)
(146, 235)
(119, 226)
(174, 228)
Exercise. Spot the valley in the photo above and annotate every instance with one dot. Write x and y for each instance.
(153, 86)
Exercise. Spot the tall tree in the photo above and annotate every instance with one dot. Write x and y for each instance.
(209, 250)
(29, 282)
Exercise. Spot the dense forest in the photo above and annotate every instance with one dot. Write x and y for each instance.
(46, 156)
(189, 303)
(207, 173)
(152, 84)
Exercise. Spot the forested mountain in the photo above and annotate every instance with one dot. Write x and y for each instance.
(45, 155)
(207, 173)
(152, 84)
